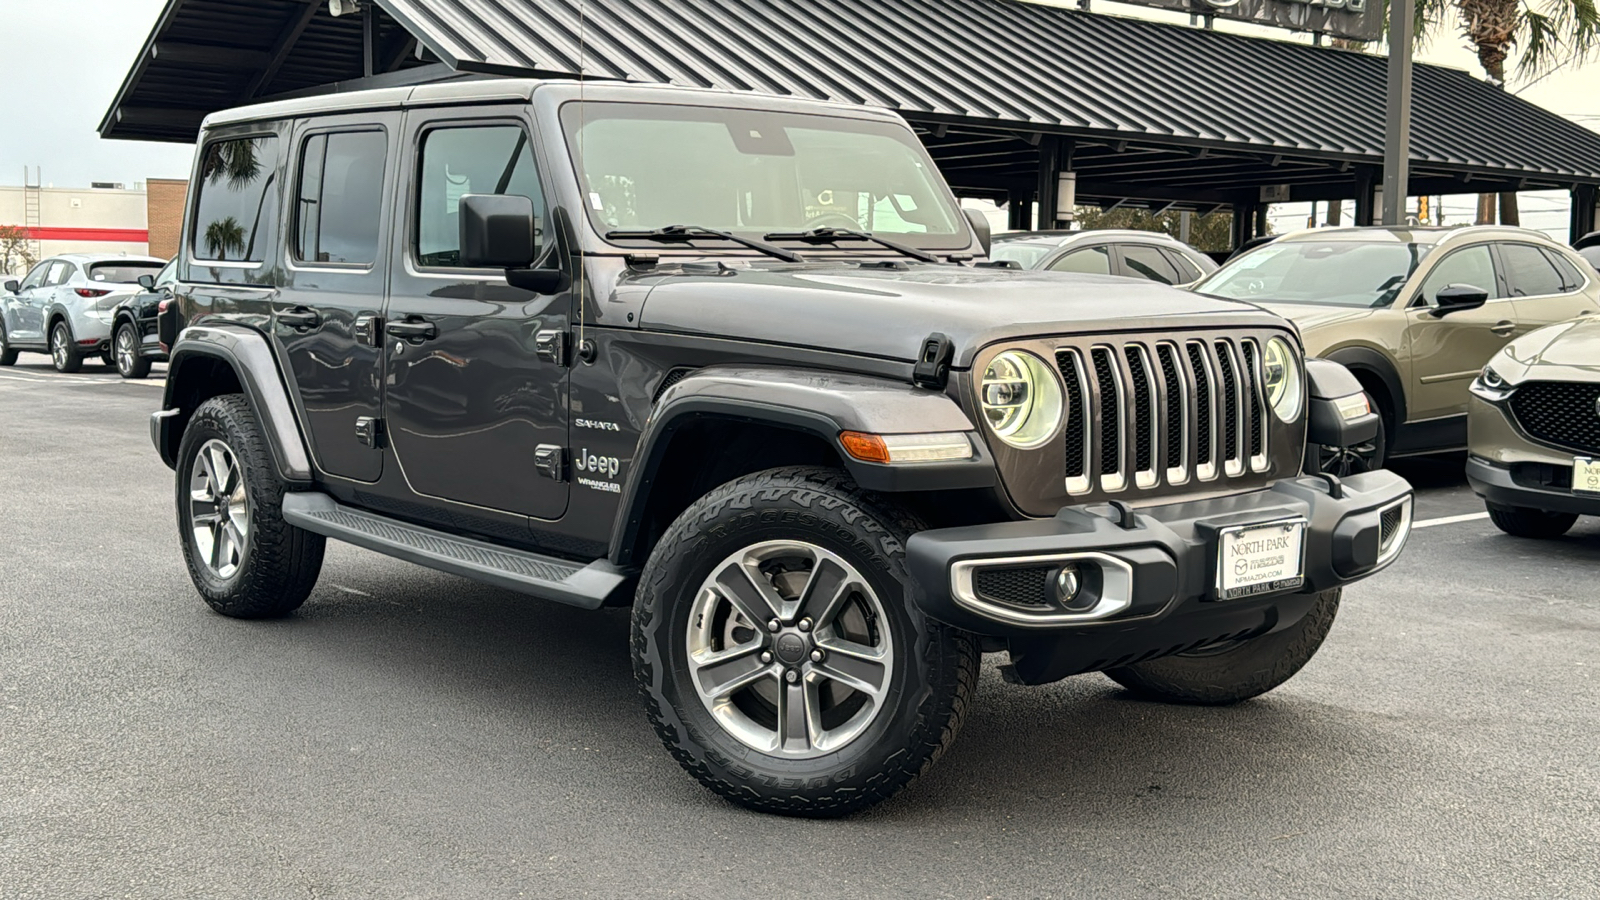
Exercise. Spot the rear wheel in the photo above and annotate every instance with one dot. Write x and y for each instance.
(1522, 522)
(129, 361)
(1234, 670)
(8, 353)
(245, 560)
(780, 658)
(63, 352)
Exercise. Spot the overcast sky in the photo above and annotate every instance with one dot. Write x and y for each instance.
(66, 59)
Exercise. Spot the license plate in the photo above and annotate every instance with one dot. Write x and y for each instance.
(1586, 475)
(1261, 559)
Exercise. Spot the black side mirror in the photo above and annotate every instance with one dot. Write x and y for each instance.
(12, 286)
(980, 224)
(148, 282)
(1458, 297)
(498, 231)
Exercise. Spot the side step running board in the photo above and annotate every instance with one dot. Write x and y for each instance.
(561, 580)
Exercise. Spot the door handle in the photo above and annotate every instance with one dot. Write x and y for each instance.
(412, 329)
(300, 317)
(1503, 328)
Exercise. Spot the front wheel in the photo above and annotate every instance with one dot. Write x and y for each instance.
(1536, 524)
(245, 560)
(780, 658)
(63, 352)
(1233, 671)
(8, 353)
(125, 349)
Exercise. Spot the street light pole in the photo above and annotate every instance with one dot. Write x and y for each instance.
(1397, 129)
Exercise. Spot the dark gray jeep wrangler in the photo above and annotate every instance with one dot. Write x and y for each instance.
(736, 361)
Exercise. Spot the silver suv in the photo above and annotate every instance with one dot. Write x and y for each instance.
(65, 306)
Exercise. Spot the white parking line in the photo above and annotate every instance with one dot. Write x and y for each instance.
(1450, 520)
(74, 381)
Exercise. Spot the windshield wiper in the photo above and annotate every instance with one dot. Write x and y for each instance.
(683, 234)
(835, 235)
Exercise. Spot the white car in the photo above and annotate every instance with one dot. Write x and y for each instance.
(65, 306)
(1149, 255)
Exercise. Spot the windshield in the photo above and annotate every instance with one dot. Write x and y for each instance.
(122, 272)
(645, 166)
(1026, 253)
(1334, 273)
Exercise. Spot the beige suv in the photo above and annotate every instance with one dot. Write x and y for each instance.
(1414, 312)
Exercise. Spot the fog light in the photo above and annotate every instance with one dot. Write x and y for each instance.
(1067, 584)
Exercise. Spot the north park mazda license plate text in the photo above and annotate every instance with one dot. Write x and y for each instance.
(1260, 559)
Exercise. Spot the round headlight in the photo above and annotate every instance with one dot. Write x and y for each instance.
(1021, 399)
(1285, 390)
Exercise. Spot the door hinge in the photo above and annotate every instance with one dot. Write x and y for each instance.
(371, 432)
(369, 331)
(551, 461)
(551, 346)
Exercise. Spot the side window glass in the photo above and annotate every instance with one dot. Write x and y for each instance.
(1470, 265)
(236, 211)
(1571, 278)
(456, 161)
(1187, 270)
(1092, 260)
(1147, 262)
(1529, 273)
(59, 272)
(36, 277)
(339, 202)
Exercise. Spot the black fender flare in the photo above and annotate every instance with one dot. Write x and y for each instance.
(1365, 359)
(817, 403)
(249, 355)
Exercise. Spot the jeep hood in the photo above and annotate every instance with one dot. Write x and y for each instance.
(888, 312)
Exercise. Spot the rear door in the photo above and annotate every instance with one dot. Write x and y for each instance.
(1545, 287)
(325, 317)
(1448, 352)
(471, 401)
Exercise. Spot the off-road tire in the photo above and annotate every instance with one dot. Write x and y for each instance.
(8, 353)
(69, 358)
(1234, 673)
(140, 366)
(932, 680)
(280, 563)
(1536, 524)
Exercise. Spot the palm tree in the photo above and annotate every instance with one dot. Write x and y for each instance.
(235, 160)
(224, 235)
(1548, 33)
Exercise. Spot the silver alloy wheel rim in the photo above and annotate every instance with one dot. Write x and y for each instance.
(124, 350)
(814, 670)
(219, 512)
(58, 345)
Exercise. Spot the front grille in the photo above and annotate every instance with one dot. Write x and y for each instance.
(1388, 523)
(1163, 410)
(1560, 412)
(1018, 585)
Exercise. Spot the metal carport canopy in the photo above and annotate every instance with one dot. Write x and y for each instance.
(1143, 111)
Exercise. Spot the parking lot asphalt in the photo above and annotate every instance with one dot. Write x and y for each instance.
(411, 734)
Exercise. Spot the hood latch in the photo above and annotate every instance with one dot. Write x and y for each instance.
(933, 363)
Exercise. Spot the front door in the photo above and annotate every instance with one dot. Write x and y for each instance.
(472, 404)
(326, 316)
(27, 310)
(1448, 352)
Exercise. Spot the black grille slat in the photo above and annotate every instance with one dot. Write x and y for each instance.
(1143, 441)
(1258, 409)
(1017, 585)
(1077, 422)
(1110, 444)
(1562, 413)
(1388, 524)
(1202, 405)
(1230, 402)
(1172, 453)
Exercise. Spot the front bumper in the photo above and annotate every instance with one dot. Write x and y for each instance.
(1149, 581)
(1530, 486)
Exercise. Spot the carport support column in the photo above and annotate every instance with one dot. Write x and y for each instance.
(1583, 211)
(1049, 170)
(1019, 210)
(1397, 129)
(1364, 185)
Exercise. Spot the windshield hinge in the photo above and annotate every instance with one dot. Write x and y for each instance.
(933, 363)
(551, 347)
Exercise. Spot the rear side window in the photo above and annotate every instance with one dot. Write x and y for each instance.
(1571, 278)
(1090, 260)
(456, 161)
(122, 272)
(236, 210)
(60, 271)
(1187, 270)
(1147, 262)
(339, 201)
(1529, 273)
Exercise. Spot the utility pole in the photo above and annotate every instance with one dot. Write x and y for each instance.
(1397, 128)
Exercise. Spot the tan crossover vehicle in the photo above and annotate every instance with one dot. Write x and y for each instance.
(1534, 426)
(1415, 313)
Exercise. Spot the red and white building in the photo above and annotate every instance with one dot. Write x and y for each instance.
(143, 220)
